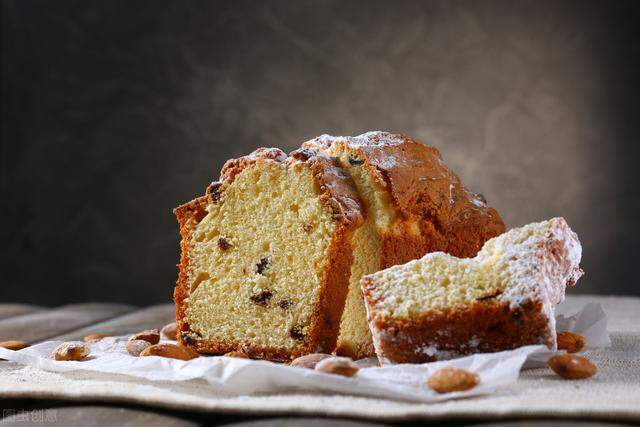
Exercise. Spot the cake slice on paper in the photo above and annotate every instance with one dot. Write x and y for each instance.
(441, 307)
(266, 256)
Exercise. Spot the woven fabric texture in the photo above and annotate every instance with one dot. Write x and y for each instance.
(614, 393)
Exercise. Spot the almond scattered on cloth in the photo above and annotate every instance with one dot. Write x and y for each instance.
(14, 344)
(571, 342)
(135, 347)
(149, 335)
(338, 366)
(170, 331)
(308, 361)
(447, 380)
(171, 351)
(71, 351)
(572, 366)
(95, 337)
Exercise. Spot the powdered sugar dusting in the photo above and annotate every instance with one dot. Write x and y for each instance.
(545, 253)
(367, 139)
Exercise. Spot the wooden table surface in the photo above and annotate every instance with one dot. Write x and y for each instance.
(73, 322)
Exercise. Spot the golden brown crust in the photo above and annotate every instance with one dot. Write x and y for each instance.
(335, 190)
(333, 294)
(483, 327)
(188, 216)
(434, 211)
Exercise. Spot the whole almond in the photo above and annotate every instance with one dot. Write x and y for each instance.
(450, 379)
(308, 361)
(14, 345)
(171, 351)
(149, 335)
(71, 351)
(338, 366)
(170, 331)
(135, 347)
(237, 354)
(95, 337)
(570, 342)
(572, 366)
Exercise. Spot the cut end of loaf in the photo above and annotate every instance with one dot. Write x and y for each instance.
(265, 262)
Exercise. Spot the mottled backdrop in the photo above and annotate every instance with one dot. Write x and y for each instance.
(115, 112)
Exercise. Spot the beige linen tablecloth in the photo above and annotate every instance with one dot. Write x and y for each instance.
(614, 393)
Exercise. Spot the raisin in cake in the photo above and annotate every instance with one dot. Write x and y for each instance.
(440, 306)
(415, 205)
(266, 256)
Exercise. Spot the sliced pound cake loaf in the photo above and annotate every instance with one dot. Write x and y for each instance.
(415, 205)
(440, 306)
(266, 256)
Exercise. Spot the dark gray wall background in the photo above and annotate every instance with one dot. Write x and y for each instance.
(115, 112)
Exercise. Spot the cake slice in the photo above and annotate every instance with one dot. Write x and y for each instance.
(415, 205)
(266, 256)
(441, 307)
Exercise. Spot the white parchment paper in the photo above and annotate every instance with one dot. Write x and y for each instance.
(590, 322)
(243, 376)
